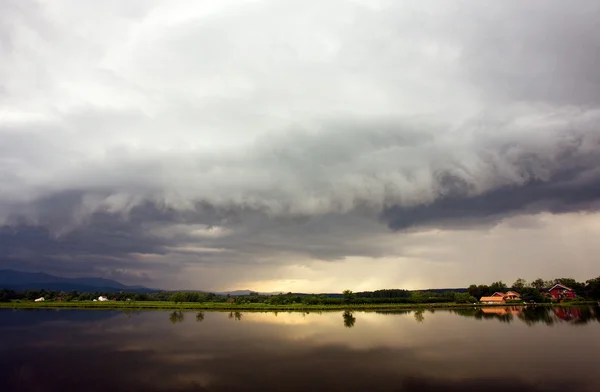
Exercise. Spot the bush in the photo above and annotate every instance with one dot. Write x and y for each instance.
(464, 298)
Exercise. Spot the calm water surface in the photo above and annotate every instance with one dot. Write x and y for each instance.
(497, 350)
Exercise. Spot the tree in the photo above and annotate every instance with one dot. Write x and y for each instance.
(348, 296)
(200, 317)
(519, 284)
(479, 291)
(531, 294)
(417, 297)
(538, 284)
(498, 286)
(177, 297)
(7, 295)
(464, 298)
(474, 291)
(593, 288)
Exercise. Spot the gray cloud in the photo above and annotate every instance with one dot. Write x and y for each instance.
(533, 51)
(570, 182)
(253, 136)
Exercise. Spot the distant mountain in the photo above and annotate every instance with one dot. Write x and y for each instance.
(237, 292)
(232, 293)
(441, 291)
(17, 280)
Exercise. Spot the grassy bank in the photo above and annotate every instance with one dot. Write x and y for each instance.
(165, 305)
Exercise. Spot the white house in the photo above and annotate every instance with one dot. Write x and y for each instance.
(102, 298)
(41, 299)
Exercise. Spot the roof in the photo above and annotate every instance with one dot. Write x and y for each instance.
(500, 293)
(513, 293)
(491, 299)
(558, 285)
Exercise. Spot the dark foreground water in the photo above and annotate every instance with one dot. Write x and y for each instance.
(504, 350)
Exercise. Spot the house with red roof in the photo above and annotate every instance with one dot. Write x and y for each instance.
(500, 297)
(559, 291)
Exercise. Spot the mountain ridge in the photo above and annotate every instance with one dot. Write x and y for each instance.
(20, 280)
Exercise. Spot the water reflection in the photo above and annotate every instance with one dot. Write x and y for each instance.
(419, 316)
(235, 315)
(176, 317)
(532, 315)
(349, 319)
(388, 351)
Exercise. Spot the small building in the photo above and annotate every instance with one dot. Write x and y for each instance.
(492, 300)
(512, 295)
(41, 299)
(102, 298)
(500, 297)
(559, 291)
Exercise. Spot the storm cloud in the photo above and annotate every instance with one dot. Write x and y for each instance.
(227, 143)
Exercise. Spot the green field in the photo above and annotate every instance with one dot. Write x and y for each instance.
(166, 305)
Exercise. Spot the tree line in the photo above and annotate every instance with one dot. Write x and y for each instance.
(530, 291)
(534, 290)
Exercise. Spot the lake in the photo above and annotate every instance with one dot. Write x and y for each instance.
(494, 349)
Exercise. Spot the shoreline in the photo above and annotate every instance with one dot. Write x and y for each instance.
(159, 305)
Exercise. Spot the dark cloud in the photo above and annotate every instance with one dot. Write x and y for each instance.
(162, 137)
(568, 190)
(84, 232)
(52, 237)
(534, 197)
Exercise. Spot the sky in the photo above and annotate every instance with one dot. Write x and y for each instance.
(305, 146)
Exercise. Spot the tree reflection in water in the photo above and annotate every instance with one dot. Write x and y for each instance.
(176, 317)
(419, 316)
(349, 319)
(532, 315)
(235, 315)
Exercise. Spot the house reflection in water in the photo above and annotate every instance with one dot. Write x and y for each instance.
(503, 311)
(568, 314)
(532, 315)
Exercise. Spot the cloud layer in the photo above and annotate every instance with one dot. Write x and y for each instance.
(227, 142)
